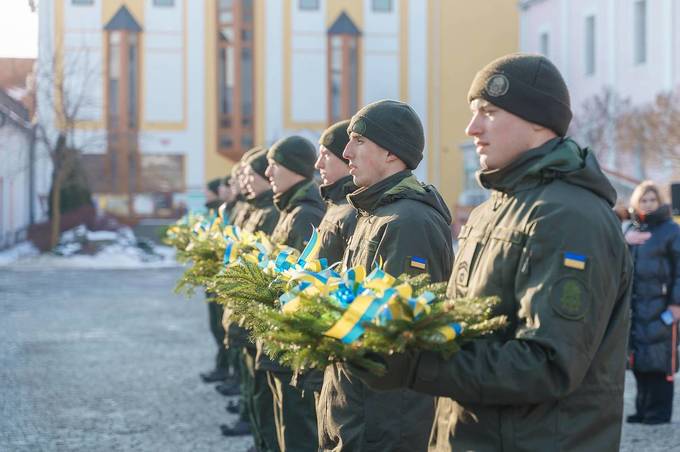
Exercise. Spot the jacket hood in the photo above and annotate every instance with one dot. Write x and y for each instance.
(559, 158)
(402, 185)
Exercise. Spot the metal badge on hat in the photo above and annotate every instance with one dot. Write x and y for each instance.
(498, 85)
(359, 126)
(328, 139)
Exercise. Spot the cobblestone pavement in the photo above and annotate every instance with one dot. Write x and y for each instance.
(95, 360)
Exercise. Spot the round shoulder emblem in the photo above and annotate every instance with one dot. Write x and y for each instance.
(498, 85)
(359, 127)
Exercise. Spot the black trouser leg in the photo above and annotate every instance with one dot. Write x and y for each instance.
(657, 400)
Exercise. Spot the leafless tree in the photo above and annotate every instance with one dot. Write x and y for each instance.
(63, 91)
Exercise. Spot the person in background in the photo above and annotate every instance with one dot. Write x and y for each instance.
(654, 241)
(222, 370)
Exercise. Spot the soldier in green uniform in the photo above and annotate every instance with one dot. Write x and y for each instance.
(257, 406)
(296, 196)
(405, 225)
(340, 219)
(222, 370)
(548, 244)
(240, 214)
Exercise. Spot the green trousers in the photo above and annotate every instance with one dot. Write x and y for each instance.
(294, 413)
(258, 401)
(226, 359)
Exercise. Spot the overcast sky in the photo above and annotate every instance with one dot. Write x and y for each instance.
(18, 30)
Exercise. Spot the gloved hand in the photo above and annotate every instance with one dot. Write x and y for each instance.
(399, 370)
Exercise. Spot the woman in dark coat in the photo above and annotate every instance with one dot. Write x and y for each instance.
(654, 241)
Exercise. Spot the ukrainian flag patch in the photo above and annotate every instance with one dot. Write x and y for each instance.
(418, 262)
(575, 261)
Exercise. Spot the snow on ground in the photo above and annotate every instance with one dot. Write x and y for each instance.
(21, 251)
(81, 248)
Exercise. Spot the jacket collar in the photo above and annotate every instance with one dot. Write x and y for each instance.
(336, 193)
(288, 200)
(367, 199)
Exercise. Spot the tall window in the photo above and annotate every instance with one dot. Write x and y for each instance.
(544, 43)
(123, 109)
(343, 69)
(381, 6)
(640, 31)
(308, 5)
(590, 45)
(114, 78)
(235, 76)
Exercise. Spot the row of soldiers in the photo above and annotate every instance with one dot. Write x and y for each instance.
(546, 243)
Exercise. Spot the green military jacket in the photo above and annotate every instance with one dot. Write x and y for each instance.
(548, 244)
(399, 219)
(262, 216)
(301, 209)
(241, 212)
(337, 225)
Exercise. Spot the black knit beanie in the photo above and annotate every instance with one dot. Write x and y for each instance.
(214, 186)
(258, 162)
(226, 180)
(394, 126)
(335, 138)
(244, 158)
(528, 86)
(295, 153)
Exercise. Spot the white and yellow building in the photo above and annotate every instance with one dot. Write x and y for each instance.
(179, 89)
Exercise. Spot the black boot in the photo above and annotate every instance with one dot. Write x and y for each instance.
(234, 407)
(214, 375)
(228, 389)
(240, 428)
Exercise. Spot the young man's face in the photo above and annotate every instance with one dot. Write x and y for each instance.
(330, 167)
(255, 184)
(500, 137)
(367, 160)
(280, 177)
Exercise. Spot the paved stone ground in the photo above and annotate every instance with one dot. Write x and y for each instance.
(94, 360)
(106, 361)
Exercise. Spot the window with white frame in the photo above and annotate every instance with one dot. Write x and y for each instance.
(589, 51)
(381, 6)
(544, 44)
(640, 31)
(308, 5)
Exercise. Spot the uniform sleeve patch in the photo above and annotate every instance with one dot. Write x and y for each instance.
(575, 261)
(417, 262)
(569, 298)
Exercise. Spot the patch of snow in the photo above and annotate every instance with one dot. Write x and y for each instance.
(112, 250)
(94, 236)
(17, 252)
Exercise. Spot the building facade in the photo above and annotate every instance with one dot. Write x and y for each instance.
(177, 90)
(627, 47)
(21, 203)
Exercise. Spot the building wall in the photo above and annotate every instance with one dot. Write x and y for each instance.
(172, 87)
(15, 143)
(461, 42)
(614, 63)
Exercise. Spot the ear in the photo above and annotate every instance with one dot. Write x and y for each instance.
(389, 158)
